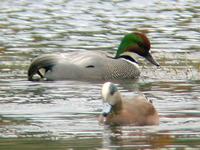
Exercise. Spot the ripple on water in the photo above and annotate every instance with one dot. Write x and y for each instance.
(64, 114)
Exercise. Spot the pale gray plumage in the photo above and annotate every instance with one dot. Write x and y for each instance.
(90, 65)
(83, 66)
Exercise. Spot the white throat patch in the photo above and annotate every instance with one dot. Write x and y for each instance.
(132, 55)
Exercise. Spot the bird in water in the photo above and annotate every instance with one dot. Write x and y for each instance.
(90, 65)
(119, 110)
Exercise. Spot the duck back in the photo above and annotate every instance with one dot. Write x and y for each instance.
(83, 66)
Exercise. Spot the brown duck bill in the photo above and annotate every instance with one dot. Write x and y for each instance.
(150, 58)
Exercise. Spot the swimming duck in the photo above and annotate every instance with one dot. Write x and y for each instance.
(90, 65)
(119, 110)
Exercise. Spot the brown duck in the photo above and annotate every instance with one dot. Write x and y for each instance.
(119, 110)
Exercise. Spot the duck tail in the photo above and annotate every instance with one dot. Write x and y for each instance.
(40, 65)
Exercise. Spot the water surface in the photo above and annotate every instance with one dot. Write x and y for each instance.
(63, 114)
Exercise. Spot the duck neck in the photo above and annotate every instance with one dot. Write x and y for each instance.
(129, 56)
(118, 106)
(124, 45)
(128, 41)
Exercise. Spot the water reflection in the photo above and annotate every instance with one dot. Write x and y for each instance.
(148, 137)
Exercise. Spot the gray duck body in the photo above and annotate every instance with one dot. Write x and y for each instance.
(84, 65)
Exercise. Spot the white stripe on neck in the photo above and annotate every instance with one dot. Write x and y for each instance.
(130, 54)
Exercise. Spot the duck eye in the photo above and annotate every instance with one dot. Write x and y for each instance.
(113, 89)
(112, 92)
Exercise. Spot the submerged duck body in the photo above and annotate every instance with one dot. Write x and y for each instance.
(89, 65)
(120, 110)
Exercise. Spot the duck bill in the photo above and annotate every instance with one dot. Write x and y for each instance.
(107, 108)
(151, 59)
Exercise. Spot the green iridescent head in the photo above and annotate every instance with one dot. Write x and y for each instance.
(137, 43)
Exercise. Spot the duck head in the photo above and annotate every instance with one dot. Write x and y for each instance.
(111, 99)
(136, 43)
